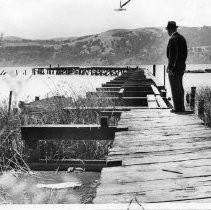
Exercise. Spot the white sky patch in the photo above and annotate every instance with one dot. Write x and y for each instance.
(44, 19)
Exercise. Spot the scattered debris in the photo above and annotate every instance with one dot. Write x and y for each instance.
(74, 169)
(70, 169)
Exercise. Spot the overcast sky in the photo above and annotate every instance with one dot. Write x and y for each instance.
(44, 19)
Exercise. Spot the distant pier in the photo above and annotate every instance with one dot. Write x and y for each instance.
(76, 70)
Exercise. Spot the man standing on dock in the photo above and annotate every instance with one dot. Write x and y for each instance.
(176, 54)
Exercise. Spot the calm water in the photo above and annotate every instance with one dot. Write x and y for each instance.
(26, 87)
(189, 79)
(24, 189)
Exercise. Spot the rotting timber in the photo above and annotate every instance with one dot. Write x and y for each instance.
(135, 88)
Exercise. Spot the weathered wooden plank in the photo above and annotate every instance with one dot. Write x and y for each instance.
(56, 132)
(168, 185)
(111, 113)
(159, 154)
(115, 108)
(162, 160)
(152, 149)
(157, 196)
(155, 90)
(151, 101)
(165, 158)
(161, 102)
(130, 175)
(63, 165)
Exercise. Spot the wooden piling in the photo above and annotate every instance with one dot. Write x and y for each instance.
(37, 98)
(154, 70)
(201, 109)
(192, 98)
(164, 75)
(187, 98)
(207, 117)
(104, 121)
(10, 102)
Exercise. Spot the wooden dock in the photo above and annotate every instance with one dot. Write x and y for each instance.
(78, 70)
(135, 88)
(166, 157)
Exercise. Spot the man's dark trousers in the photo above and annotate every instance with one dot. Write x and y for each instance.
(177, 90)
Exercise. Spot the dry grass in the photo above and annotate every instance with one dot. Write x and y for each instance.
(11, 146)
(50, 111)
(204, 94)
(14, 185)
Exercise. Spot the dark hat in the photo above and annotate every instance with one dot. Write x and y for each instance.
(171, 25)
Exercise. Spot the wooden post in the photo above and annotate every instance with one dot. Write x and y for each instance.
(25, 72)
(10, 102)
(192, 98)
(104, 121)
(16, 72)
(37, 98)
(209, 117)
(164, 75)
(154, 70)
(201, 109)
(32, 150)
(188, 98)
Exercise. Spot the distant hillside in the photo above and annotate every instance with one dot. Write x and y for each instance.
(114, 47)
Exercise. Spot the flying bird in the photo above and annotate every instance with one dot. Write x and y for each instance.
(121, 6)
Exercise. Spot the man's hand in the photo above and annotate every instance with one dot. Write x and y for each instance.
(169, 71)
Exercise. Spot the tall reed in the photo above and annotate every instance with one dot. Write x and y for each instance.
(51, 111)
(204, 94)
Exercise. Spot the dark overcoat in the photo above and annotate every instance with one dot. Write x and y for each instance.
(177, 53)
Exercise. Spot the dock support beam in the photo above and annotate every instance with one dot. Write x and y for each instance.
(164, 76)
(154, 70)
(192, 98)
